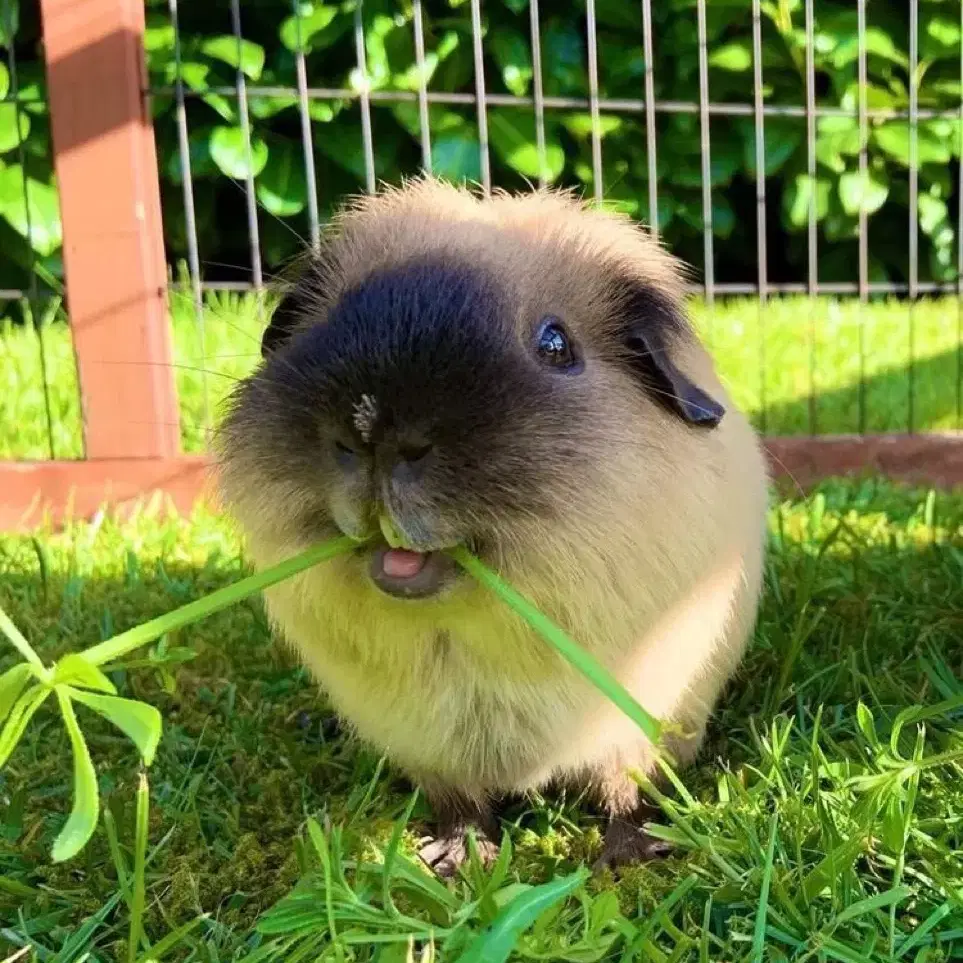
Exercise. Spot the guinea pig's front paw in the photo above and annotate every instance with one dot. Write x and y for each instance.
(448, 852)
(627, 843)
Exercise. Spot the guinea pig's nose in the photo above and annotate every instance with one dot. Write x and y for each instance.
(410, 463)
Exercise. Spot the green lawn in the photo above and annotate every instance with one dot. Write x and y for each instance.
(802, 348)
(825, 816)
(823, 822)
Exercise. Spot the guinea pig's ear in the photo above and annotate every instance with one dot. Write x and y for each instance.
(652, 323)
(283, 321)
(304, 284)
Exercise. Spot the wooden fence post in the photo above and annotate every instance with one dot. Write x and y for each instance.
(113, 248)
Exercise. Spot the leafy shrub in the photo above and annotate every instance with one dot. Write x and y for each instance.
(274, 30)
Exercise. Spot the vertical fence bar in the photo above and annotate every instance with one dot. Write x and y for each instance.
(538, 91)
(761, 256)
(113, 249)
(598, 187)
(812, 238)
(307, 142)
(190, 219)
(424, 120)
(481, 95)
(650, 148)
(253, 231)
(709, 273)
(37, 317)
(863, 224)
(367, 144)
(913, 213)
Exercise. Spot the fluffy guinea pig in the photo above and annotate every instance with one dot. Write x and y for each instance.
(515, 374)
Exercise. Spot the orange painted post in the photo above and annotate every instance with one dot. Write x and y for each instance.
(106, 169)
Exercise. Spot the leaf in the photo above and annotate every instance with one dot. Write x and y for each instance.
(933, 213)
(735, 56)
(319, 29)
(74, 669)
(893, 137)
(244, 55)
(82, 820)
(230, 153)
(723, 216)
(563, 49)
(836, 138)
(456, 156)
(158, 33)
(866, 191)
(140, 722)
(19, 718)
(497, 942)
(514, 58)
(4, 80)
(512, 135)
(9, 21)
(282, 186)
(580, 125)
(42, 229)
(781, 138)
(867, 724)
(195, 75)
(798, 196)
(12, 683)
(14, 127)
(414, 76)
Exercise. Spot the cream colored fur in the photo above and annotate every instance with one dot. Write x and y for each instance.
(657, 571)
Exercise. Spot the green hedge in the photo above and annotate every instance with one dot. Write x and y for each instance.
(210, 58)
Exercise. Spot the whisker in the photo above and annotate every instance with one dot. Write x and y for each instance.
(280, 220)
(173, 364)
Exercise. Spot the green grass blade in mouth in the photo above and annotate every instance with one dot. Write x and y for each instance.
(221, 599)
(593, 670)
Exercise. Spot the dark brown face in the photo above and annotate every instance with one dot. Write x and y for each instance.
(423, 412)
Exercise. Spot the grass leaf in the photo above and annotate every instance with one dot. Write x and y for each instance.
(12, 683)
(140, 722)
(201, 608)
(82, 820)
(19, 642)
(497, 942)
(140, 857)
(593, 670)
(74, 669)
(19, 717)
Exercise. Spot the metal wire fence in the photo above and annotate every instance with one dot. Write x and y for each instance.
(201, 287)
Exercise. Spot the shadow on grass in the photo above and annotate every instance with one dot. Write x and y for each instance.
(864, 601)
(881, 402)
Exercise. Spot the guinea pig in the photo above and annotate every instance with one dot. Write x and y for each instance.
(516, 375)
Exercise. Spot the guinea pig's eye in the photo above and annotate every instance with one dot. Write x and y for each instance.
(553, 347)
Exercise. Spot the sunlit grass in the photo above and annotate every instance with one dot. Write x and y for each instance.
(823, 819)
(772, 360)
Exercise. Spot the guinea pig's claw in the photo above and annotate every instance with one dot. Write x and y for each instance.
(447, 854)
(626, 844)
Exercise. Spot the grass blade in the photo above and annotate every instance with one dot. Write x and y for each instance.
(140, 856)
(19, 642)
(83, 817)
(221, 599)
(12, 683)
(19, 718)
(497, 942)
(140, 722)
(593, 670)
(759, 935)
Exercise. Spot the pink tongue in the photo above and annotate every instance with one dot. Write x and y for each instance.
(400, 563)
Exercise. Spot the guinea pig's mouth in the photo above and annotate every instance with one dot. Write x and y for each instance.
(411, 575)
